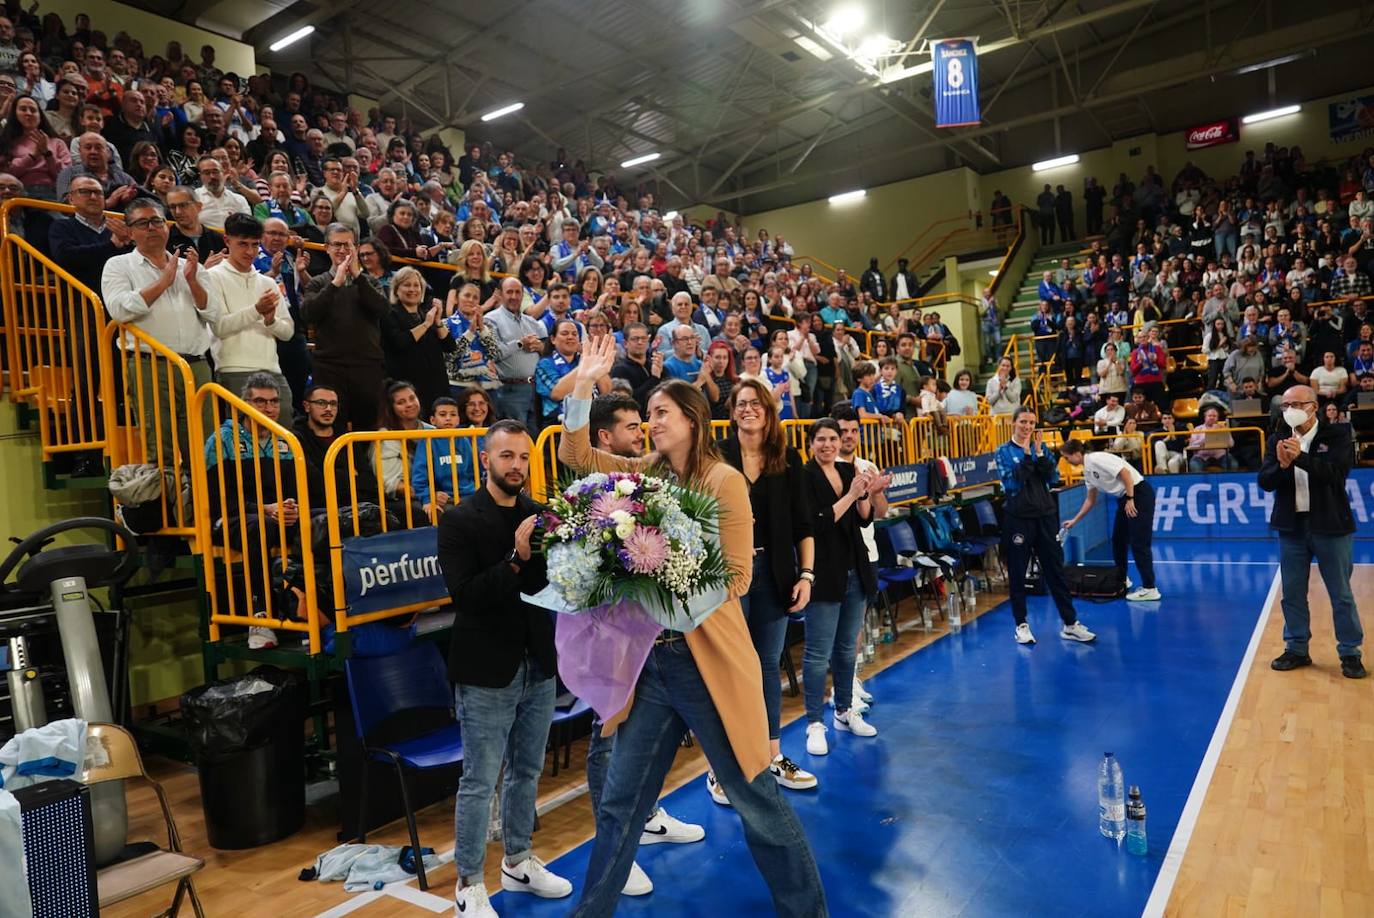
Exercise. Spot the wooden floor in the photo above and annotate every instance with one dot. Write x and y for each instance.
(263, 881)
(1287, 826)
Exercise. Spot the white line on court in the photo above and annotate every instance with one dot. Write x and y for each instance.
(1187, 821)
(1274, 563)
(351, 905)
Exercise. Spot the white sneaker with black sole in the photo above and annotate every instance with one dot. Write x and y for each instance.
(638, 883)
(815, 739)
(472, 902)
(663, 828)
(1077, 632)
(862, 693)
(531, 876)
(856, 702)
(1144, 594)
(1023, 634)
(791, 775)
(716, 791)
(853, 722)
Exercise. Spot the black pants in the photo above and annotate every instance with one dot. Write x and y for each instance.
(1138, 533)
(1065, 226)
(1021, 537)
(1046, 228)
(360, 392)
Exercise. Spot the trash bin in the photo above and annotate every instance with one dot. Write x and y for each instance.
(247, 743)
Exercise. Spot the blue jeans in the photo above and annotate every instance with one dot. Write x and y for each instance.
(510, 723)
(832, 640)
(767, 620)
(671, 698)
(1224, 242)
(599, 749)
(1199, 464)
(1332, 553)
(516, 401)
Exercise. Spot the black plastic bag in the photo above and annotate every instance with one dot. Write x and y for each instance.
(246, 712)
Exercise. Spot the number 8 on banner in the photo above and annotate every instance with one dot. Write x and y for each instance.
(954, 76)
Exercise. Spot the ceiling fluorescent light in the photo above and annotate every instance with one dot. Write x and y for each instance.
(1276, 62)
(814, 48)
(848, 196)
(503, 110)
(640, 160)
(846, 19)
(1055, 163)
(992, 273)
(876, 46)
(291, 39)
(1272, 113)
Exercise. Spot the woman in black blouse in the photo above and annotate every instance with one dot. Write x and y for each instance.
(783, 549)
(415, 339)
(844, 580)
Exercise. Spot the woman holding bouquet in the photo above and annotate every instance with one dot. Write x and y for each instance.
(706, 680)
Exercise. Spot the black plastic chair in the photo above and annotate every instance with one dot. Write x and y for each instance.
(381, 687)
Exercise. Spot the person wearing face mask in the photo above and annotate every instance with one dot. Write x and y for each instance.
(1305, 467)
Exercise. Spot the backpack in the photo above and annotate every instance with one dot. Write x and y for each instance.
(1094, 581)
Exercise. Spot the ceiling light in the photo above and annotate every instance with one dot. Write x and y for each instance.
(846, 19)
(1055, 163)
(848, 196)
(291, 39)
(1272, 113)
(503, 110)
(1275, 61)
(992, 273)
(814, 48)
(640, 160)
(876, 46)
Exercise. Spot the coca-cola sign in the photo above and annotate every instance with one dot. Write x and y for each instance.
(1213, 133)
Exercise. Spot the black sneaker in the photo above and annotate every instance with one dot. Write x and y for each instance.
(1290, 660)
(1352, 667)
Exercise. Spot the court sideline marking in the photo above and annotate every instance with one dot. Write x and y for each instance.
(1183, 834)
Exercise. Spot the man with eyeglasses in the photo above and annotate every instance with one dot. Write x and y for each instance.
(161, 293)
(217, 202)
(316, 428)
(345, 305)
(1306, 464)
(94, 155)
(187, 231)
(254, 314)
(638, 367)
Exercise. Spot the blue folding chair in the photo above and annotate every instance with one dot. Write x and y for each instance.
(900, 560)
(381, 687)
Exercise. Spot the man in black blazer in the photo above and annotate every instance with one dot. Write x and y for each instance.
(503, 663)
(1305, 465)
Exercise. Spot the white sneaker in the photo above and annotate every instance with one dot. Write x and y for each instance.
(1077, 632)
(853, 722)
(791, 775)
(717, 793)
(472, 902)
(531, 876)
(815, 739)
(662, 827)
(856, 703)
(862, 693)
(261, 638)
(1144, 594)
(638, 883)
(1023, 634)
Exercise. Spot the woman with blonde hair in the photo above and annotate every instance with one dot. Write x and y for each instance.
(473, 268)
(707, 680)
(415, 338)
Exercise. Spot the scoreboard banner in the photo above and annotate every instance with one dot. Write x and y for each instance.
(956, 83)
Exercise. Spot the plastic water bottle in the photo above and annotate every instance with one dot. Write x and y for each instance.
(954, 610)
(1135, 824)
(970, 594)
(1111, 798)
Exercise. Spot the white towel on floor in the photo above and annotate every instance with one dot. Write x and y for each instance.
(361, 866)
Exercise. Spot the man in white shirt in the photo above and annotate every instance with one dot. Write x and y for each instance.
(522, 340)
(1135, 511)
(803, 342)
(160, 293)
(217, 202)
(1109, 416)
(253, 317)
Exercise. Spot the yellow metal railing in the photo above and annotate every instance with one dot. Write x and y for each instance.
(252, 514)
(1148, 457)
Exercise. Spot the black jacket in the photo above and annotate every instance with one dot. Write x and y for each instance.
(494, 629)
(641, 380)
(840, 545)
(788, 517)
(1327, 464)
(313, 448)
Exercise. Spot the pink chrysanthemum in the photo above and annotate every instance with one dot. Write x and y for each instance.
(604, 505)
(645, 550)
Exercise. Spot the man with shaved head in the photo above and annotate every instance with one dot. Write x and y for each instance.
(1305, 466)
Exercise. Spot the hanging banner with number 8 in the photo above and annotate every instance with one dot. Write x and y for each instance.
(956, 83)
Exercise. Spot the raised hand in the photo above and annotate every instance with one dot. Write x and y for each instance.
(598, 355)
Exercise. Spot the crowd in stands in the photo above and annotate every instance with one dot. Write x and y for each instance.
(1265, 274)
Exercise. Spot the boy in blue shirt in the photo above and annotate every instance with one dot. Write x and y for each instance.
(889, 393)
(452, 464)
(862, 398)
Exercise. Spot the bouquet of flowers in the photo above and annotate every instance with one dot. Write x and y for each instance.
(628, 555)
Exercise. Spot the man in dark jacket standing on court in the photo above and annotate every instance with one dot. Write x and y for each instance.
(503, 662)
(1306, 465)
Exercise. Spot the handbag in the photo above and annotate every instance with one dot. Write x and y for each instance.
(1094, 581)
